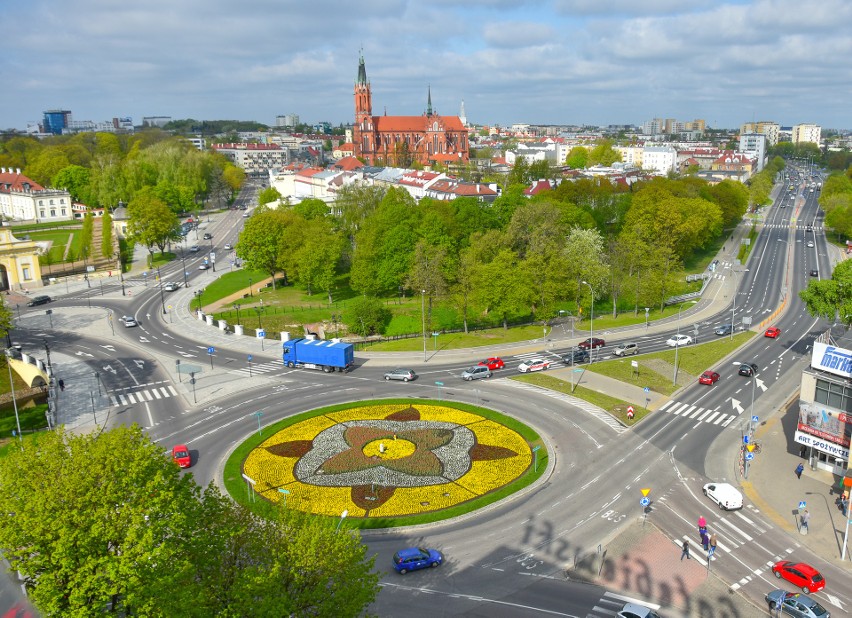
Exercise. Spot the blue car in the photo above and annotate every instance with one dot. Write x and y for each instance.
(414, 558)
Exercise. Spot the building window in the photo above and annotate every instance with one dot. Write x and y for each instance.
(41, 213)
(25, 270)
(63, 212)
(52, 212)
(835, 395)
(51, 202)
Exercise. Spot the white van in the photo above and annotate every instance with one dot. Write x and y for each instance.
(725, 495)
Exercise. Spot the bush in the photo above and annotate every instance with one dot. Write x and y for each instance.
(367, 316)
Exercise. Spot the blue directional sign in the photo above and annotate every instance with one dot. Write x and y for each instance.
(802, 504)
(249, 357)
(439, 383)
(754, 418)
(211, 350)
(261, 333)
(646, 389)
(745, 439)
(645, 501)
(749, 456)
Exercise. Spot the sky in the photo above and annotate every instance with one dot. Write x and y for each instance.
(594, 62)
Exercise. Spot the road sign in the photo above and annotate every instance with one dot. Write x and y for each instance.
(439, 383)
(645, 501)
(211, 350)
(645, 491)
(749, 456)
(754, 418)
(745, 439)
(249, 357)
(802, 504)
(646, 389)
(261, 334)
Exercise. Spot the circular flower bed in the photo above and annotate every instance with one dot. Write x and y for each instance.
(385, 461)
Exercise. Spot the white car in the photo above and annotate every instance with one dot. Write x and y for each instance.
(725, 495)
(128, 321)
(679, 340)
(534, 364)
(203, 266)
(228, 246)
(171, 286)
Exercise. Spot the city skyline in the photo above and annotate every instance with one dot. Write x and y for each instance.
(560, 62)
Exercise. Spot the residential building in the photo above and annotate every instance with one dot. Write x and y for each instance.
(23, 199)
(734, 162)
(402, 140)
(416, 182)
(156, 121)
(807, 133)
(255, 159)
(754, 145)
(287, 120)
(772, 130)
(659, 159)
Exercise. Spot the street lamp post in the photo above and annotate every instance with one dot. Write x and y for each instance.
(250, 292)
(183, 261)
(237, 308)
(677, 338)
(162, 296)
(734, 306)
(591, 321)
(198, 294)
(423, 319)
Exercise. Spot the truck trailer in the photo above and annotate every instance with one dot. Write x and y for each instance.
(319, 354)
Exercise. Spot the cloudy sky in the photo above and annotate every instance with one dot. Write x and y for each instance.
(538, 62)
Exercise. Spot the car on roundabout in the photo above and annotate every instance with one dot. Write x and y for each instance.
(709, 377)
(39, 300)
(576, 356)
(634, 610)
(724, 329)
(477, 372)
(795, 604)
(772, 332)
(493, 363)
(591, 343)
(626, 349)
(128, 321)
(800, 574)
(534, 364)
(679, 340)
(416, 558)
(181, 456)
(406, 375)
(726, 496)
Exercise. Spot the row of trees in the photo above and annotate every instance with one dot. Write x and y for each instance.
(107, 523)
(517, 257)
(836, 200)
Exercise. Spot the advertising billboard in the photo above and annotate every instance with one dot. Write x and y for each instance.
(832, 359)
(824, 422)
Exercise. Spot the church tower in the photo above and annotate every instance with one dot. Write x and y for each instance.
(363, 129)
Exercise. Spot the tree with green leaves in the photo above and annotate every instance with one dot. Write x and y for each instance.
(604, 154)
(87, 236)
(367, 315)
(428, 274)
(831, 299)
(151, 222)
(260, 242)
(6, 318)
(314, 255)
(500, 287)
(106, 234)
(270, 195)
(578, 158)
(76, 179)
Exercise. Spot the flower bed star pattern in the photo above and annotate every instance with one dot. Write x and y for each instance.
(387, 460)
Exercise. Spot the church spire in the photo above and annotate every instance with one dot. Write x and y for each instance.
(429, 104)
(362, 70)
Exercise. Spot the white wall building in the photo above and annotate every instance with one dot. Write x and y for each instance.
(807, 133)
(23, 199)
(754, 145)
(659, 159)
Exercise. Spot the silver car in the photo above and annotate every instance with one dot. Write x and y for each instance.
(406, 375)
(476, 372)
(626, 349)
(795, 604)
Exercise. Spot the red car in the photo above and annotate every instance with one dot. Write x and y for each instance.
(799, 574)
(181, 456)
(493, 363)
(772, 332)
(708, 377)
(591, 343)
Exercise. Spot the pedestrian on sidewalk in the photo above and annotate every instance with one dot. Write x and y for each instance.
(61, 385)
(685, 551)
(712, 544)
(799, 469)
(806, 518)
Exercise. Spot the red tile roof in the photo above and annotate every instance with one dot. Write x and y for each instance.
(348, 164)
(13, 180)
(415, 123)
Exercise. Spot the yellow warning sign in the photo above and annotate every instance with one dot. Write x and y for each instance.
(645, 492)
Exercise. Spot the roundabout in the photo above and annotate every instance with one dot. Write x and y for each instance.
(387, 462)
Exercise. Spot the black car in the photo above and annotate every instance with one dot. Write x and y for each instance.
(39, 300)
(576, 356)
(747, 369)
(208, 236)
(724, 329)
(814, 273)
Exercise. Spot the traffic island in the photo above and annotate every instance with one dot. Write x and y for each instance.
(386, 463)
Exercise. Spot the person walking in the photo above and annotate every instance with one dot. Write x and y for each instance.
(799, 469)
(806, 518)
(705, 541)
(712, 544)
(685, 552)
(61, 385)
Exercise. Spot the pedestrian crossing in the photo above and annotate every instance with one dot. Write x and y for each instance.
(698, 414)
(258, 368)
(142, 395)
(611, 603)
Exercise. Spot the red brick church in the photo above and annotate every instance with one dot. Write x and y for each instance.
(400, 141)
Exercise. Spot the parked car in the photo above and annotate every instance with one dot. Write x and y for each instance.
(772, 332)
(128, 321)
(208, 236)
(39, 300)
(634, 610)
(795, 604)
(591, 343)
(747, 369)
(576, 356)
(476, 372)
(414, 558)
(725, 495)
(406, 375)
(679, 340)
(534, 364)
(493, 363)
(724, 329)
(800, 574)
(171, 286)
(708, 377)
(181, 456)
(626, 349)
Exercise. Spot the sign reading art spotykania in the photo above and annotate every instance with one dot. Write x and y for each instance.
(832, 359)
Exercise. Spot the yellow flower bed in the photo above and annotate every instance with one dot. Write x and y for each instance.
(408, 500)
(320, 500)
(491, 433)
(485, 476)
(305, 430)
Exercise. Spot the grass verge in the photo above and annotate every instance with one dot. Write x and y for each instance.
(236, 485)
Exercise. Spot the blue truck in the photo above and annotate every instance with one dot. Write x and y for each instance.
(319, 354)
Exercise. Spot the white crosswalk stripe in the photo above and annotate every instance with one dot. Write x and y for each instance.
(258, 368)
(702, 415)
(143, 395)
